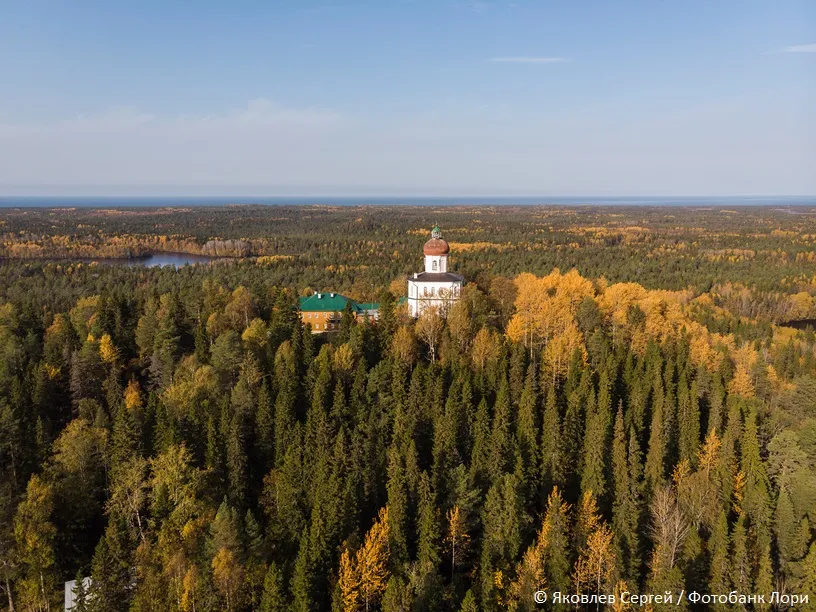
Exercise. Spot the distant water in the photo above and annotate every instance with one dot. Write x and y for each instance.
(147, 201)
(158, 260)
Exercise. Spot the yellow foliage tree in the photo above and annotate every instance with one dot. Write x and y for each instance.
(596, 564)
(403, 346)
(343, 360)
(546, 307)
(255, 336)
(133, 396)
(189, 595)
(349, 580)
(560, 349)
(228, 576)
(457, 537)
(107, 350)
(363, 580)
(485, 348)
(531, 572)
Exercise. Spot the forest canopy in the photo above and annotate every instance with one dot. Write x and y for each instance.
(611, 406)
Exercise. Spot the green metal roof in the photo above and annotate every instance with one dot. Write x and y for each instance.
(332, 302)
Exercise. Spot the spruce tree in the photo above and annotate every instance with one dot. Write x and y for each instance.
(527, 427)
(593, 474)
(719, 559)
(756, 493)
(740, 573)
(689, 421)
(274, 593)
(553, 470)
(655, 457)
(264, 432)
(557, 564)
(807, 584)
(481, 453)
(785, 527)
(501, 457)
(624, 514)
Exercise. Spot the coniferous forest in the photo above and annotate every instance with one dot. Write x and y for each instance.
(615, 405)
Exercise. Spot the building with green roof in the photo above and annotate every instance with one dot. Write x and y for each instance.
(323, 311)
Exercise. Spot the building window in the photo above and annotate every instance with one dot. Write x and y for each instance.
(434, 265)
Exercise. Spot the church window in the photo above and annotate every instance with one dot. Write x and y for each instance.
(434, 265)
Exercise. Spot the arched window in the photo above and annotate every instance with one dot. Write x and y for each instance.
(433, 266)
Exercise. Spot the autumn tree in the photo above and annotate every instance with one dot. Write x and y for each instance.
(364, 578)
(34, 533)
(429, 328)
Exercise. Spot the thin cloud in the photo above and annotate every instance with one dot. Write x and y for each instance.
(529, 60)
(811, 48)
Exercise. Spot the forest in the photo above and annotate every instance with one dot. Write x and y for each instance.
(613, 406)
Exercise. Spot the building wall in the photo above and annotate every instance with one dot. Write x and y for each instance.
(329, 320)
(418, 301)
(441, 262)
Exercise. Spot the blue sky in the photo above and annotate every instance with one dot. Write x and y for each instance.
(408, 97)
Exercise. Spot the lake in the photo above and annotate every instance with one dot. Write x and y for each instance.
(800, 324)
(158, 260)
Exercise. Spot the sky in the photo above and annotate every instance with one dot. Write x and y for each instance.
(402, 97)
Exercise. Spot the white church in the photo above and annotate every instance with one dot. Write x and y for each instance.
(435, 287)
